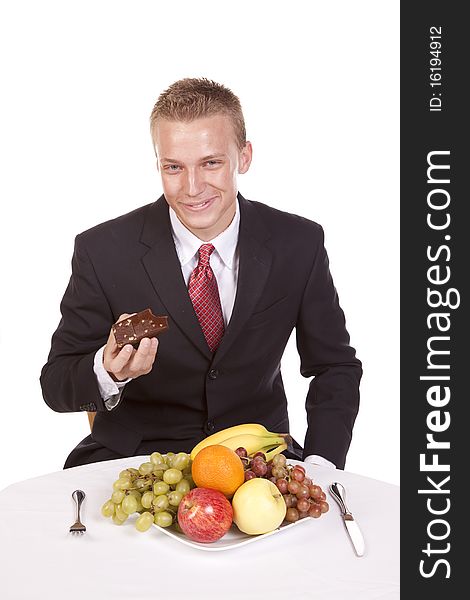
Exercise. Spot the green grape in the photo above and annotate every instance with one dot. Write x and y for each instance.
(174, 498)
(180, 461)
(177, 527)
(121, 484)
(107, 510)
(168, 458)
(118, 496)
(147, 499)
(160, 502)
(144, 521)
(128, 473)
(172, 476)
(278, 472)
(190, 480)
(158, 470)
(183, 486)
(160, 487)
(279, 460)
(117, 521)
(137, 495)
(141, 483)
(129, 505)
(163, 519)
(156, 458)
(119, 513)
(146, 468)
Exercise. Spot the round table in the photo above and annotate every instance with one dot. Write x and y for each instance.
(39, 558)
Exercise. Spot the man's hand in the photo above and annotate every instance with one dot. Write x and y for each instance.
(129, 362)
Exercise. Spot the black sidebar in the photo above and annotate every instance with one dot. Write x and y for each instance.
(435, 244)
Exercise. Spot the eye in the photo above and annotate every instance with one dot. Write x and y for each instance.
(171, 168)
(213, 163)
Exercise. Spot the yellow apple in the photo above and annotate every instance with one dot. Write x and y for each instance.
(258, 506)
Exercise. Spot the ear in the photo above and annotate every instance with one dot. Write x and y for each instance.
(244, 159)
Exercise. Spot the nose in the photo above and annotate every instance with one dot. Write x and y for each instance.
(194, 183)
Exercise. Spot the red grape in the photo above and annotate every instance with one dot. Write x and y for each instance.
(259, 468)
(260, 455)
(298, 475)
(315, 491)
(292, 515)
(249, 475)
(293, 486)
(302, 497)
(289, 500)
(242, 453)
(303, 505)
(303, 492)
(314, 511)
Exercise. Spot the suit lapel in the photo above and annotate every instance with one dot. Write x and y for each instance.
(253, 270)
(164, 269)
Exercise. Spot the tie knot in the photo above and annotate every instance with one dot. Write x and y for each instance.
(205, 252)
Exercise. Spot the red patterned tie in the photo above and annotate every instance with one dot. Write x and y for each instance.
(204, 295)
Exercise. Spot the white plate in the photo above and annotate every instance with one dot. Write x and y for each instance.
(234, 538)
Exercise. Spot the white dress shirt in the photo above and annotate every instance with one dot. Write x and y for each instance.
(224, 263)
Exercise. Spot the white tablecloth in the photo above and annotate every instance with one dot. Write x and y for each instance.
(40, 559)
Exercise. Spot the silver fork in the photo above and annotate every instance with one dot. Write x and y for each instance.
(78, 528)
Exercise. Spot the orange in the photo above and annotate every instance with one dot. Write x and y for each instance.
(219, 468)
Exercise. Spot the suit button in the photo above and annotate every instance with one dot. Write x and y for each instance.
(213, 374)
(210, 425)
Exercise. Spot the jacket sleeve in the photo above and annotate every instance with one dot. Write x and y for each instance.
(67, 379)
(323, 344)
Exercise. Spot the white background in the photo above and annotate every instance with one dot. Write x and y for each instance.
(318, 82)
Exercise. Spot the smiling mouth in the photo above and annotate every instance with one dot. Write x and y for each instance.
(198, 205)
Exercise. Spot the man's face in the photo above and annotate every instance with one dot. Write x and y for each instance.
(199, 162)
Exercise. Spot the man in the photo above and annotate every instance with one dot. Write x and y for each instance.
(259, 272)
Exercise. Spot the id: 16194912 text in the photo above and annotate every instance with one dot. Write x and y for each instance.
(435, 68)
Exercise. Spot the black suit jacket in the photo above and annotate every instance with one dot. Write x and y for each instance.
(130, 263)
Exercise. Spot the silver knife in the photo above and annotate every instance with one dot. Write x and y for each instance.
(339, 494)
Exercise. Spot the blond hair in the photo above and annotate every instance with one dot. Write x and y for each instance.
(192, 98)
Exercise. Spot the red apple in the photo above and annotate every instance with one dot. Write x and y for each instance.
(205, 515)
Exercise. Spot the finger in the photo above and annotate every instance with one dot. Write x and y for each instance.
(122, 360)
(110, 351)
(111, 343)
(145, 355)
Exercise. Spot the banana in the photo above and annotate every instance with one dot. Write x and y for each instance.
(229, 432)
(270, 454)
(253, 443)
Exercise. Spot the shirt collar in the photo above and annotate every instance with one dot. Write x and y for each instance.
(187, 244)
